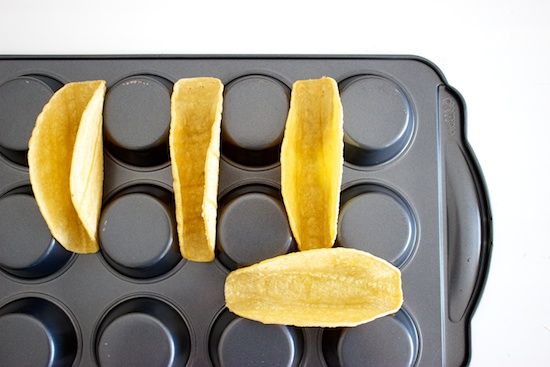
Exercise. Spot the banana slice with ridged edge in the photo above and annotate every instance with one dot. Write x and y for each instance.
(317, 288)
(312, 155)
(195, 152)
(66, 164)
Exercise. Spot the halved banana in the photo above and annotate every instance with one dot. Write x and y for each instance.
(322, 287)
(66, 164)
(195, 152)
(312, 155)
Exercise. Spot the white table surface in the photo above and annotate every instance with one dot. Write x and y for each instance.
(496, 53)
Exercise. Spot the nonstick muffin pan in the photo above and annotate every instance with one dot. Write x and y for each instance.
(412, 193)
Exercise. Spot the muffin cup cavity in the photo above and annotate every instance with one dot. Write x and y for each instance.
(44, 328)
(392, 340)
(378, 120)
(255, 108)
(235, 341)
(27, 249)
(137, 120)
(252, 226)
(21, 101)
(377, 219)
(137, 232)
(142, 331)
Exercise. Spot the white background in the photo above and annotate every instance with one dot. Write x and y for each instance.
(496, 53)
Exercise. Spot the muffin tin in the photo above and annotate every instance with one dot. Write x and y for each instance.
(412, 193)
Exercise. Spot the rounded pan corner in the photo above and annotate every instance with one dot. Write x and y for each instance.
(429, 65)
